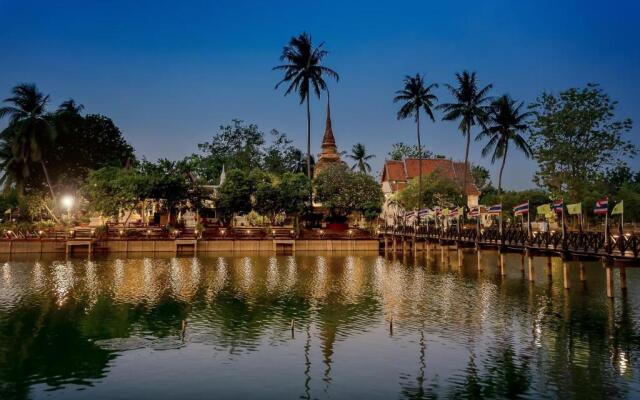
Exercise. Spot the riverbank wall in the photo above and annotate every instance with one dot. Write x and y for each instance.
(18, 246)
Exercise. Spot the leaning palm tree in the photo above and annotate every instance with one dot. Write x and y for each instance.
(31, 131)
(304, 73)
(360, 156)
(470, 107)
(416, 96)
(505, 124)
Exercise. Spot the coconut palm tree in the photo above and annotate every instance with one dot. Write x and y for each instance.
(470, 107)
(14, 172)
(360, 156)
(505, 125)
(31, 130)
(416, 95)
(304, 74)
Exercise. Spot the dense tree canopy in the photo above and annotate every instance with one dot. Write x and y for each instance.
(343, 191)
(436, 191)
(243, 146)
(576, 138)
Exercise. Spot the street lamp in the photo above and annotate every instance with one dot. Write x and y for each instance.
(67, 202)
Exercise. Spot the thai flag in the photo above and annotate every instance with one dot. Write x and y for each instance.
(558, 205)
(474, 211)
(495, 209)
(453, 212)
(521, 209)
(424, 212)
(602, 206)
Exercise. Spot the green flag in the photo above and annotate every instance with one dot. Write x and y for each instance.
(618, 209)
(445, 212)
(544, 209)
(574, 209)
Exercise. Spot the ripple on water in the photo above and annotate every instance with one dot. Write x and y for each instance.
(419, 328)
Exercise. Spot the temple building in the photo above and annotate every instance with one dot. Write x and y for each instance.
(329, 153)
(397, 174)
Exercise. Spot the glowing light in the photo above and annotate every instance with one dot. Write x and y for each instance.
(67, 201)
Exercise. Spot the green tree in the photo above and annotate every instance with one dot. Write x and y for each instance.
(438, 191)
(235, 146)
(506, 124)
(285, 194)
(416, 96)
(343, 191)
(85, 143)
(281, 156)
(469, 107)
(234, 196)
(360, 156)
(29, 132)
(481, 178)
(304, 74)
(576, 138)
(400, 151)
(111, 189)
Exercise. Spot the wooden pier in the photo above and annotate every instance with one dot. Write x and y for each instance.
(615, 251)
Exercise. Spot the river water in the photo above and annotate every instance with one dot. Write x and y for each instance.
(364, 326)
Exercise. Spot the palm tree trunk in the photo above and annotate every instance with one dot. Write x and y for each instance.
(466, 166)
(309, 152)
(420, 161)
(504, 159)
(46, 176)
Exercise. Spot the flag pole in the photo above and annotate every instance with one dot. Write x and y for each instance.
(528, 220)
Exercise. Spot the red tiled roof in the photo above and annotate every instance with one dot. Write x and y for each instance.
(398, 173)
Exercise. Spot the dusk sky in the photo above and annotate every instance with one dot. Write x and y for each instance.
(169, 73)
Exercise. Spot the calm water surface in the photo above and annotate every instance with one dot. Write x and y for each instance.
(220, 327)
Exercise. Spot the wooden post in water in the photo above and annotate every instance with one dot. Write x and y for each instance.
(609, 279)
(503, 272)
(566, 274)
(441, 254)
(522, 261)
(623, 278)
(459, 256)
(479, 251)
(549, 268)
(583, 272)
(532, 273)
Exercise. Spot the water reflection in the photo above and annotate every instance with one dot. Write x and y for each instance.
(225, 324)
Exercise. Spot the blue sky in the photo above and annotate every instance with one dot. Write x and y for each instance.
(169, 73)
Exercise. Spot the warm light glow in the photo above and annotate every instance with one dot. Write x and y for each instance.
(67, 201)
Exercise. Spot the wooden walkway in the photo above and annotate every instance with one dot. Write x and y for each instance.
(620, 248)
(571, 244)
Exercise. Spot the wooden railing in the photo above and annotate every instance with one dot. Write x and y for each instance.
(587, 243)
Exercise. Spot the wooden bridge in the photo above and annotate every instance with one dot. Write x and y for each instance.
(570, 244)
(613, 249)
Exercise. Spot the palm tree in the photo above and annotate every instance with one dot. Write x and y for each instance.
(469, 107)
(416, 96)
(506, 122)
(31, 131)
(360, 156)
(304, 73)
(13, 171)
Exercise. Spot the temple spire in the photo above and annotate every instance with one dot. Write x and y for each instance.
(328, 140)
(329, 152)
